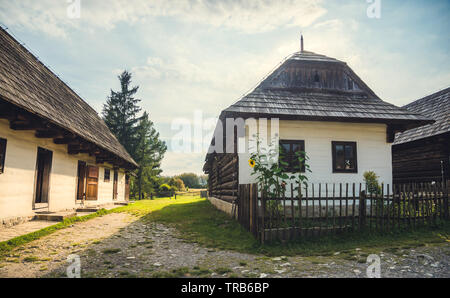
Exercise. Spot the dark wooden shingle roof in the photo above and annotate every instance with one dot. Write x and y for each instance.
(309, 86)
(30, 85)
(317, 87)
(435, 106)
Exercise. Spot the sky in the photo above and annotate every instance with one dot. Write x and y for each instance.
(196, 57)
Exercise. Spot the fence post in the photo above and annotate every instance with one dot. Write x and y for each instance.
(446, 193)
(253, 209)
(362, 208)
(263, 211)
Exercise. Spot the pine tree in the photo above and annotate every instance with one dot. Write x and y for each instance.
(120, 113)
(149, 154)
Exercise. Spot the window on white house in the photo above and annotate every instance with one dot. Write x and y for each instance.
(107, 175)
(288, 149)
(2, 155)
(344, 157)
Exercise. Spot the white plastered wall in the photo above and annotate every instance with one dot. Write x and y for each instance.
(17, 183)
(373, 152)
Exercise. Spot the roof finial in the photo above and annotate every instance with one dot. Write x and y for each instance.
(301, 42)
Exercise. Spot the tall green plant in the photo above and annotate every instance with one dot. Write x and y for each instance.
(271, 173)
(371, 180)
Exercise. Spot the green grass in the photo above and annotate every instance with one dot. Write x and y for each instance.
(31, 259)
(8, 245)
(199, 222)
(142, 208)
(110, 251)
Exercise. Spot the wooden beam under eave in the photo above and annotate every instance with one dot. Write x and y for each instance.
(65, 140)
(49, 134)
(79, 148)
(6, 114)
(26, 125)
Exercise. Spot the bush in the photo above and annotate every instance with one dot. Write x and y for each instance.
(177, 184)
(371, 179)
(164, 188)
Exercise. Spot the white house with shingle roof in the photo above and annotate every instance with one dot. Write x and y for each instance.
(56, 153)
(323, 108)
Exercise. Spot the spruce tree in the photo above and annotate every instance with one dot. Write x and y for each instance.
(149, 154)
(120, 113)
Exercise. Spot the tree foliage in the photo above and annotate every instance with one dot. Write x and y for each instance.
(120, 112)
(190, 180)
(177, 184)
(149, 154)
(137, 134)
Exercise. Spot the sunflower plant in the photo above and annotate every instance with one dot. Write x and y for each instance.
(271, 172)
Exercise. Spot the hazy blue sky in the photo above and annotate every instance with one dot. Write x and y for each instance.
(191, 56)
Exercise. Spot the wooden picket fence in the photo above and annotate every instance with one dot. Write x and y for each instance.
(321, 209)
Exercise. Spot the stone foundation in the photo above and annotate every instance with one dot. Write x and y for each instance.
(12, 221)
(224, 206)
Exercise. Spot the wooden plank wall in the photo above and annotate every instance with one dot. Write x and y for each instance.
(420, 161)
(223, 177)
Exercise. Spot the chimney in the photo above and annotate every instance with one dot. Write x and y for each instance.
(301, 43)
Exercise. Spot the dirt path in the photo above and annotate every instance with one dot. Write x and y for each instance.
(120, 245)
(39, 257)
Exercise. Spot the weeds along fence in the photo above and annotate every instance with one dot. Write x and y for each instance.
(321, 209)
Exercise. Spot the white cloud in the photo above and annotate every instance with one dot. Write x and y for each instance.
(177, 163)
(242, 15)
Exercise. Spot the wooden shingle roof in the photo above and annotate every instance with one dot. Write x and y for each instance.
(435, 106)
(309, 86)
(27, 83)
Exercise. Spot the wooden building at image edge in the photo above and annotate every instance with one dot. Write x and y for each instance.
(324, 109)
(423, 154)
(56, 153)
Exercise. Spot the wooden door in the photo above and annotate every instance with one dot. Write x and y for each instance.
(43, 169)
(116, 178)
(92, 183)
(127, 187)
(81, 179)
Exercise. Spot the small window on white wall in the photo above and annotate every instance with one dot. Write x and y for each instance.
(107, 175)
(2, 155)
(344, 157)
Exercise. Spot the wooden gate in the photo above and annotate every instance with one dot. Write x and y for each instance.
(115, 180)
(81, 180)
(127, 187)
(43, 169)
(92, 183)
(247, 207)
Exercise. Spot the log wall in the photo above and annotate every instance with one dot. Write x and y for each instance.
(423, 160)
(223, 177)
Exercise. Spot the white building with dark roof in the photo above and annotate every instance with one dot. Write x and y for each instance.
(324, 109)
(56, 153)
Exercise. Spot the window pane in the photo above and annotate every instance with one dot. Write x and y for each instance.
(340, 159)
(286, 147)
(107, 174)
(287, 155)
(349, 151)
(349, 158)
